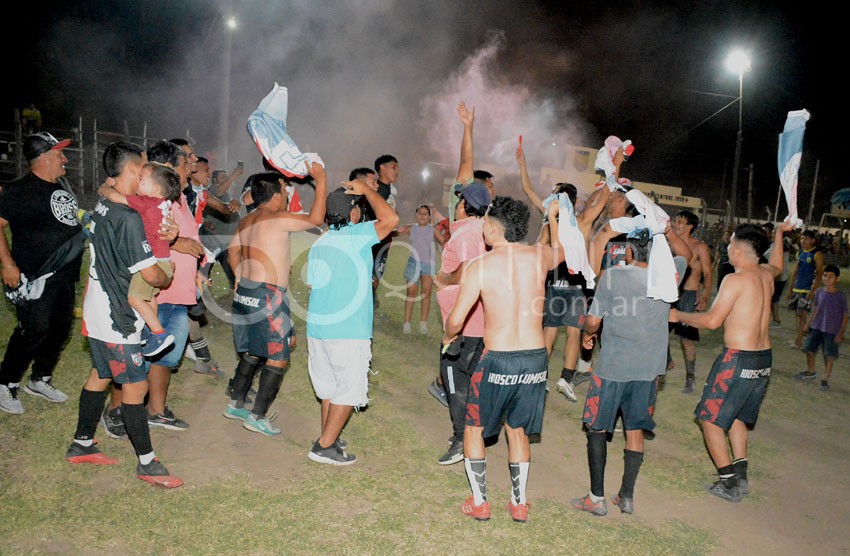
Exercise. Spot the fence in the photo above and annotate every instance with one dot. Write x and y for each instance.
(84, 169)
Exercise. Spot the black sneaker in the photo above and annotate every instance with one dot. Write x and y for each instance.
(689, 385)
(579, 378)
(156, 474)
(332, 455)
(720, 490)
(167, 420)
(453, 455)
(113, 423)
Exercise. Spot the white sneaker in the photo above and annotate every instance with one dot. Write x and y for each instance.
(9, 401)
(46, 390)
(406, 328)
(423, 327)
(566, 389)
(189, 353)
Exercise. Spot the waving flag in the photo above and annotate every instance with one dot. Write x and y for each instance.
(267, 127)
(790, 153)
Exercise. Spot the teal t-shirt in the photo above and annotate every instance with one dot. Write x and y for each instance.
(339, 273)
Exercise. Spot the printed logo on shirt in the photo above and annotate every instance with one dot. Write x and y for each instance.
(64, 207)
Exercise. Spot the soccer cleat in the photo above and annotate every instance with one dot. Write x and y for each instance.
(439, 392)
(156, 343)
(113, 423)
(167, 420)
(156, 474)
(519, 513)
(587, 505)
(453, 455)
(566, 388)
(479, 513)
(236, 413)
(262, 426)
(9, 401)
(626, 505)
(720, 490)
(332, 455)
(805, 375)
(78, 453)
(45, 389)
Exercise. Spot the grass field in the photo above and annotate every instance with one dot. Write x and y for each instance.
(394, 500)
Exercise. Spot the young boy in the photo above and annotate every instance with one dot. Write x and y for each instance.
(158, 188)
(826, 326)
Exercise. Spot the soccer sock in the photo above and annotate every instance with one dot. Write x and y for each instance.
(519, 478)
(270, 380)
(740, 466)
(567, 374)
(476, 472)
(91, 406)
(597, 456)
(201, 349)
(727, 475)
(631, 468)
(690, 368)
(136, 421)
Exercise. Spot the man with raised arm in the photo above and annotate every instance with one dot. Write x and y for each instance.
(259, 254)
(738, 380)
(508, 388)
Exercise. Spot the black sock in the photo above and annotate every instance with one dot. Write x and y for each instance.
(270, 380)
(201, 349)
(597, 456)
(728, 476)
(691, 368)
(243, 377)
(91, 406)
(631, 468)
(136, 421)
(740, 467)
(567, 374)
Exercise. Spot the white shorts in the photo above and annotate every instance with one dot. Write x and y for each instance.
(339, 370)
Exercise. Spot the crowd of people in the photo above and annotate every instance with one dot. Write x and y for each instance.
(617, 276)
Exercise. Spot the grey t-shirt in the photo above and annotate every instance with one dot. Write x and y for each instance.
(634, 331)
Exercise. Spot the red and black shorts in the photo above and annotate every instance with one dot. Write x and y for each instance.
(508, 387)
(122, 363)
(261, 323)
(607, 398)
(735, 388)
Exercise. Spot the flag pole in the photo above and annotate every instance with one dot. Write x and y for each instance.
(814, 187)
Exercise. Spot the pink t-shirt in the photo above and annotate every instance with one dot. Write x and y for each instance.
(181, 291)
(466, 243)
(152, 211)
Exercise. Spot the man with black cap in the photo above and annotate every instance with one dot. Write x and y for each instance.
(340, 312)
(41, 212)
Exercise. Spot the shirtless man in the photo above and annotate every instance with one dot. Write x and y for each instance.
(691, 300)
(509, 386)
(565, 305)
(260, 257)
(738, 380)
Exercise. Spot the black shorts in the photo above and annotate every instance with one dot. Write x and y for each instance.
(261, 323)
(778, 287)
(607, 398)
(509, 387)
(123, 363)
(564, 306)
(687, 303)
(735, 388)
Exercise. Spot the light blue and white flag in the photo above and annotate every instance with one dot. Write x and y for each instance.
(790, 153)
(267, 127)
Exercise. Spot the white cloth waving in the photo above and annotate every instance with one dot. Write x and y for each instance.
(571, 238)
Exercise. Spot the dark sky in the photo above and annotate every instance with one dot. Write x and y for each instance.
(371, 77)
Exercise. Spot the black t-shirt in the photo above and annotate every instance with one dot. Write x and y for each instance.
(119, 248)
(42, 216)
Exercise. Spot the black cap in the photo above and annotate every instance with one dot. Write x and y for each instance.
(39, 143)
(341, 203)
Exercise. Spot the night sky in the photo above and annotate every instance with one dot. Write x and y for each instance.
(373, 77)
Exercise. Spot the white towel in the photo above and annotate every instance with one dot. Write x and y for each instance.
(662, 281)
(605, 159)
(572, 240)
